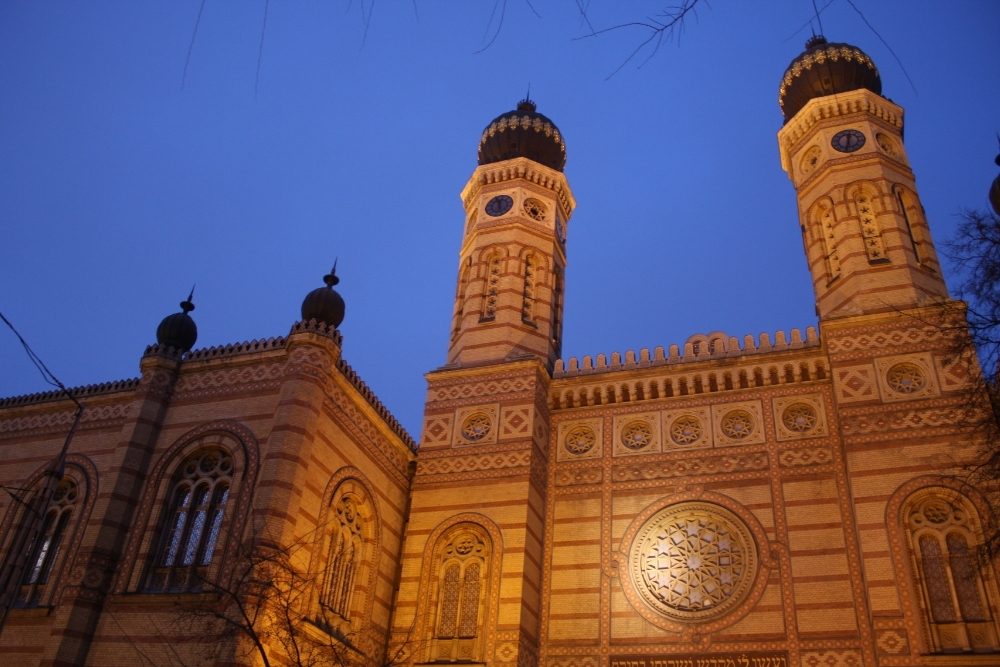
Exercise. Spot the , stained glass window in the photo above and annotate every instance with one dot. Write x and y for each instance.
(194, 521)
(463, 567)
(344, 556)
(952, 590)
(52, 538)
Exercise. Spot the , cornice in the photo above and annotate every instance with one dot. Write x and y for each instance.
(520, 168)
(86, 391)
(459, 373)
(855, 102)
(375, 404)
(224, 355)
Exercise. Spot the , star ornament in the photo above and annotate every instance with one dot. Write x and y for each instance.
(738, 424)
(636, 435)
(905, 378)
(799, 418)
(476, 427)
(692, 561)
(580, 440)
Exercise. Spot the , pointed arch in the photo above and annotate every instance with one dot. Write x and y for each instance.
(189, 535)
(531, 269)
(491, 285)
(346, 560)
(937, 529)
(557, 306)
(62, 531)
(458, 600)
(823, 222)
(866, 198)
(217, 507)
(460, 296)
(916, 225)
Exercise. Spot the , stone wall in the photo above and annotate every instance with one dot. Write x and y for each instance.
(799, 502)
(303, 432)
(804, 481)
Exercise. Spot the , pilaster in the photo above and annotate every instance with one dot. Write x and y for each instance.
(866, 238)
(313, 351)
(496, 480)
(91, 574)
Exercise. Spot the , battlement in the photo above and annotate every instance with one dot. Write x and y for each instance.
(237, 349)
(320, 328)
(374, 401)
(699, 347)
(599, 385)
(85, 391)
(228, 352)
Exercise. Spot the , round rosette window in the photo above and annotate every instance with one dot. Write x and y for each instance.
(693, 561)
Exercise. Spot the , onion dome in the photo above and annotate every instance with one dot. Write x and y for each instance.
(178, 330)
(995, 191)
(523, 133)
(823, 69)
(323, 304)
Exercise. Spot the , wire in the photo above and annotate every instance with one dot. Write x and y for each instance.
(818, 19)
(809, 22)
(260, 52)
(503, 11)
(855, 8)
(39, 364)
(191, 45)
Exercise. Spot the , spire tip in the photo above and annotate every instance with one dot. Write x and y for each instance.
(331, 278)
(188, 305)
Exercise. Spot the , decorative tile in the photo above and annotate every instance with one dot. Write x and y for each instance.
(580, 439)
(689, 428)
(476, 425)
(515, 422)
(855, 383)
(892, 641)
(637, 433)
(833, 658)
(738, 424)
(799, 416)
(437, 430)
(907, 377)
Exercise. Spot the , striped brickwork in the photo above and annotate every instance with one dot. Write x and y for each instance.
(795, 502)
(867, 241)
(508, 301)
(497, 482)
(302, 430)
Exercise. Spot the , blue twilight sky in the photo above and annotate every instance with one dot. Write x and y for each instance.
(118, 189)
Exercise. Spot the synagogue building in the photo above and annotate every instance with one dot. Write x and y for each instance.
(794, 499)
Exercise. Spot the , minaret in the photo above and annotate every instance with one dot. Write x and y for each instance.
(471, 574)
(866, 238)
(517, 205)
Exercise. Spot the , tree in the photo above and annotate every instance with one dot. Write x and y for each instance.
(265, 610)
(262, 610)
(975, 251)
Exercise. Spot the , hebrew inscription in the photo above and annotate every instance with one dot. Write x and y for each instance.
(748, 659)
